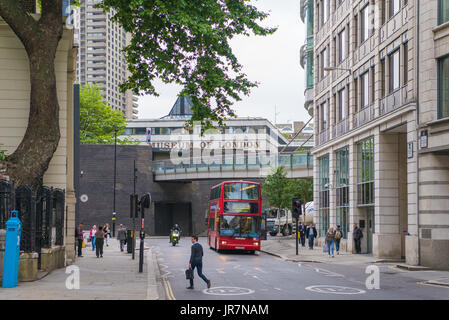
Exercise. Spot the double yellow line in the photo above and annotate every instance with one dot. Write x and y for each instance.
(168, 290)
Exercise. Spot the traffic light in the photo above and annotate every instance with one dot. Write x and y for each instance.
(296, 208)
(134, 208)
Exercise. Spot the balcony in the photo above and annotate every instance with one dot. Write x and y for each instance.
(342, 127)
(364, 116)
(394, 101)
(308, 104)
(393, 24)
(323, 136)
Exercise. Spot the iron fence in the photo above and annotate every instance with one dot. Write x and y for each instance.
(41, 213)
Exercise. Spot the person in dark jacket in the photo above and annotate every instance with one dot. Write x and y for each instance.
(99, 242)
(311, 234)
(121, 235)
(196, 261)
(80, 237)
(358, 235)
(302, 233)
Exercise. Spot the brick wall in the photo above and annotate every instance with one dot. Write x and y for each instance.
(97, 180)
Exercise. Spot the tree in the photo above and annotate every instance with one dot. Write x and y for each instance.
(302, 189)
(98, 121)
(179, 41)
(277, 190)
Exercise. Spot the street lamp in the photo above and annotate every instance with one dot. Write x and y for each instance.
(328, 69)
(115, 174)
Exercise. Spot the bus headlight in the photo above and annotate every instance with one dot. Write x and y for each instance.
(256, 243)
(224, 242)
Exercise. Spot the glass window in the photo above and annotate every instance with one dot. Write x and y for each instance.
(443, 88)
(364, 90)
(342, 105)
(364, 31)
(323, 203)
(394, 71)
(240, 207)
(365, 172)
(395, 6)
(323, 114)
(241, 191)
(342, 45)
(443, 11)
(239, 226)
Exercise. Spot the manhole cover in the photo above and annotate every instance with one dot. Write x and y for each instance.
(228, 291)
(335, 289)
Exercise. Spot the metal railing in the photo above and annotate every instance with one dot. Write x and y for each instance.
(41, 212)
(394, 100)
(364, 116)
(342, 127)
(323, 136)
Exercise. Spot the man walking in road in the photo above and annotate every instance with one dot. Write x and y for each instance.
(358, 235)
(121, 235)
(196, 261)
(80, 237)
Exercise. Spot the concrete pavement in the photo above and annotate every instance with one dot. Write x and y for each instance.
(116, 276)
(113, 277)
(285, 248)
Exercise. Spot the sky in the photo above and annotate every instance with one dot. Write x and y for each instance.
(273, 61)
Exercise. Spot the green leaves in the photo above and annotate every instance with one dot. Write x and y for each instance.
(3, 156)
(276, 189)
(187, 42)
(98, 121)
(279, 191)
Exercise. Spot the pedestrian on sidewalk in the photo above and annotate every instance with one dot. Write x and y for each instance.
(121, 235)
(107, 233)
(330, 240)
(79, 234)
(99, 242)
(338, 235)
(311, 235)
(92, 233)
(358, 235)
(196, 261)
(302, 233)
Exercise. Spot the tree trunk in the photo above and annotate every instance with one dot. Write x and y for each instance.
(29, 162)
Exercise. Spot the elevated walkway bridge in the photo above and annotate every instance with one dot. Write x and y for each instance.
(295, 166)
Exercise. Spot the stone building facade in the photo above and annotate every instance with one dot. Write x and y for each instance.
(14, 112)
(380, 107)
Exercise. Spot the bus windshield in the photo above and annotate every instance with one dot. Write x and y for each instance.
(241, 191)
(240, 207)
(239, 226)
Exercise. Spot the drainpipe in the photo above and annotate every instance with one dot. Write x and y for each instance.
(417, 123)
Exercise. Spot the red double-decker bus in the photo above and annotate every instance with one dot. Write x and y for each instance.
(234, 218)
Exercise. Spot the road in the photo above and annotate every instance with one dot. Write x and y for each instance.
(265, 277)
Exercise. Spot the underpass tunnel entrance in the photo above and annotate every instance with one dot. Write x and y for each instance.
(169, 213)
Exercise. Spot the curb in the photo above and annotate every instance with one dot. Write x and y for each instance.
(438, 283)
(412, 268)
(289, 259)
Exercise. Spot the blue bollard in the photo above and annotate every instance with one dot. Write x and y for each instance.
(12, 251)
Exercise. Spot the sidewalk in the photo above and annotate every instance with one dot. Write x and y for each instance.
(285, 248)
(114, 277)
